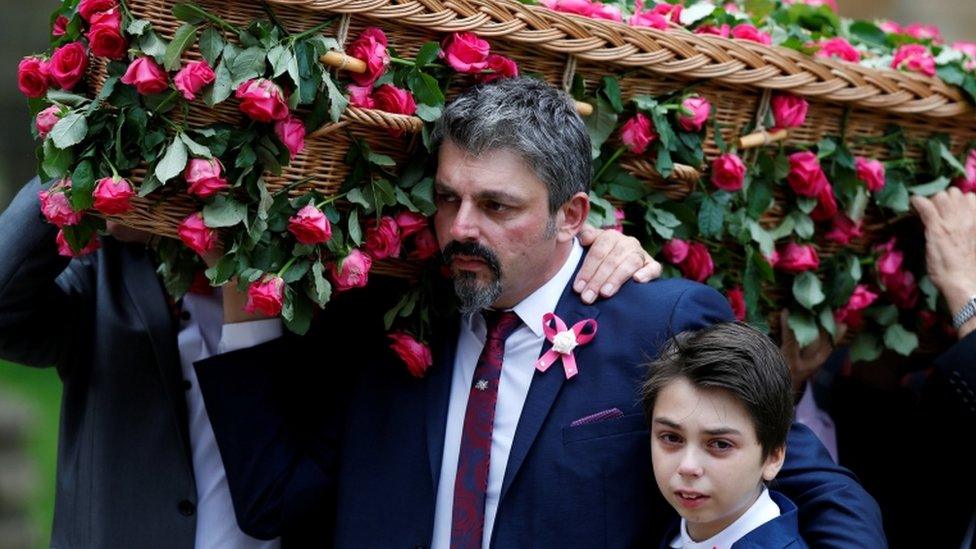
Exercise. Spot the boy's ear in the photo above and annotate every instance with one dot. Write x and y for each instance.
(773, 463)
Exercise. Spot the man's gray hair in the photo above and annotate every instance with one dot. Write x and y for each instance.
(530, 118)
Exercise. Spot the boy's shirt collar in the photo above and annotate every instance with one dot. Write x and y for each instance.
(762, 511)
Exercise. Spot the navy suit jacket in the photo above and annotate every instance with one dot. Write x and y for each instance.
(783, 532)
(369, 460)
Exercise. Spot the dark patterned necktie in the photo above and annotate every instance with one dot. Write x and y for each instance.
(471, 482)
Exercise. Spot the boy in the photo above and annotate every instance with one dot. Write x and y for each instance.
(719, 405)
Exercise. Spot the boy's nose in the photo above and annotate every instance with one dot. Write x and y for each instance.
(690, 465)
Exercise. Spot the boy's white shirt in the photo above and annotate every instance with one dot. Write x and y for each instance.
(761, 512)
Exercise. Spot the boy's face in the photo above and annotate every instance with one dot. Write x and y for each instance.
(707, 460)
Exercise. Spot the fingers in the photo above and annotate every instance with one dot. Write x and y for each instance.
(612, 259)
(588, 234)
(926, 210)
(599, 252)
(650, 271)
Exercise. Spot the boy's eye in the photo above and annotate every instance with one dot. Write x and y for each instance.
(669, 438)
(721, 445)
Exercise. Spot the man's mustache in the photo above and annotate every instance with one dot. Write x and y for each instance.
(472, 249)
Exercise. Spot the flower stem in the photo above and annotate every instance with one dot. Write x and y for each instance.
(405, 62)
(313, 30)
(606, 165)
(329, 200)
(287, 266)
(115, 173)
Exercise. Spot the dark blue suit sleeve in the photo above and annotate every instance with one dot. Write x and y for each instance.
(834, 510)
(950, 392)
(277, 439)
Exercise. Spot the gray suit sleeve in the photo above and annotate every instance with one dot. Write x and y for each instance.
(42, 295)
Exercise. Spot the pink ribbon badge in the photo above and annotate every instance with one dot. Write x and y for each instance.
(564, 340)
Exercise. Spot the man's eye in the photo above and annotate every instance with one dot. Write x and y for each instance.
(496, 207)
(445, 198)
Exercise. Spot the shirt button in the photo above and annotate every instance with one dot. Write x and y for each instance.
(186, 508)
(185, 316)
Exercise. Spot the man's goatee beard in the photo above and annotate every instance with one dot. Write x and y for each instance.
(474, 296)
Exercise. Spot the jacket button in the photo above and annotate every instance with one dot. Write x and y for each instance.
(186, 508)
(187, 385)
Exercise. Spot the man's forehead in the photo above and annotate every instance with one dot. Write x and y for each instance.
(501, 170)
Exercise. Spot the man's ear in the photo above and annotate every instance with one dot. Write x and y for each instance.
(571, 216)
(773, 463)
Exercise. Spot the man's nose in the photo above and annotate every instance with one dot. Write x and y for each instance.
(465, 224)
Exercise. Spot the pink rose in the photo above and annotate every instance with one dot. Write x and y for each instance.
(698, 109)
(728, 172)
(68, 65)
(370, 48)
(890, 27)
(796, 258)
(113, 196)
(88, 8)
(60, 26)
(107, 42)
(637, 133)
(291, 132)
(64, 249)
(737, 300)
(619, 217)
(383, 238)
(724, 31)
(465, 52)
(354, 271)
(840, 48)
(902, 289)
(890, 260)
(500, 67)
(648, 19)
(392, 99)
(192, 78)
(844, 230)
(262, 100)
(579, 7)
(606, 11)
(32, 77)
(110, 19)
(675, 251)
(967, 182)
(147, 77)
(196, 235)
(57, 208)
(806, 177)
(698, 265)
(46, 120)
(310, 226)
(360, 96)
(670, 11)
(871, 172)
(861, 299)
(413, 353)
(968, 48)
(204, 177)
(914, 57)
(921, 31)
(266, 296)
(789, 111)
(410, 222)
(826, 204)
(745, 31)
(424, 245)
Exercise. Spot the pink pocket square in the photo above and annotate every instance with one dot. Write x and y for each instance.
(612, 413)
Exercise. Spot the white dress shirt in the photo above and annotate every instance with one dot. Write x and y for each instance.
(819, 421)
(761, 512)
(522, 349)
(198, 339)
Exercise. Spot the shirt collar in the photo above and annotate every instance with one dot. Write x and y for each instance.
(763, 510)
(544, 300)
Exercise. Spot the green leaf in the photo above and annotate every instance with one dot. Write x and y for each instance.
(868, 33)
(82, 185)
(300, 309)
(428, 113)
(600, 124)
(952, 160)
(802, 225)
(195, 148)
(279, 57)
(248, 64)
(173, 161)
(380, 159)
(221, 272)
(865, 348)
(182, 40)
(930, 188)
(355, 230)
(611, 89)
(711, 215)
(885, 316)
(137, 27)
(893, 196)
(66, 98)
(900, 340)
(223, 212)
(759, 198)
(804, 328)
(56, 161)
(427, 54)
(662, 221)
(356, 196)
(930, 291)
(806, 203)
(337, 101)
(189, 13)
(319, 288)
(827, 322)
(762, 237)
(783, 229)
(296, 271)
(425, 88)
(69, 131)
(211, 45)
(152, 45)
(627, 187)
(808, 290)
(422, 195)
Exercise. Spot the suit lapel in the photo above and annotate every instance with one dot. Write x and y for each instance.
(438, 389)
(545, 387)
(146, 293)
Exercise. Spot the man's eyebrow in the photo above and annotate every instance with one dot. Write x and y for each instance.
(493, 195)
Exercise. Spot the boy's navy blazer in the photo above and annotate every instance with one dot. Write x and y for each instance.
(783, 532)
(342, 444)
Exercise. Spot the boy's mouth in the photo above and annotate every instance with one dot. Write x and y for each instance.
(690, 499)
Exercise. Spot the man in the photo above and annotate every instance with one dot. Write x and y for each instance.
(488, 449)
